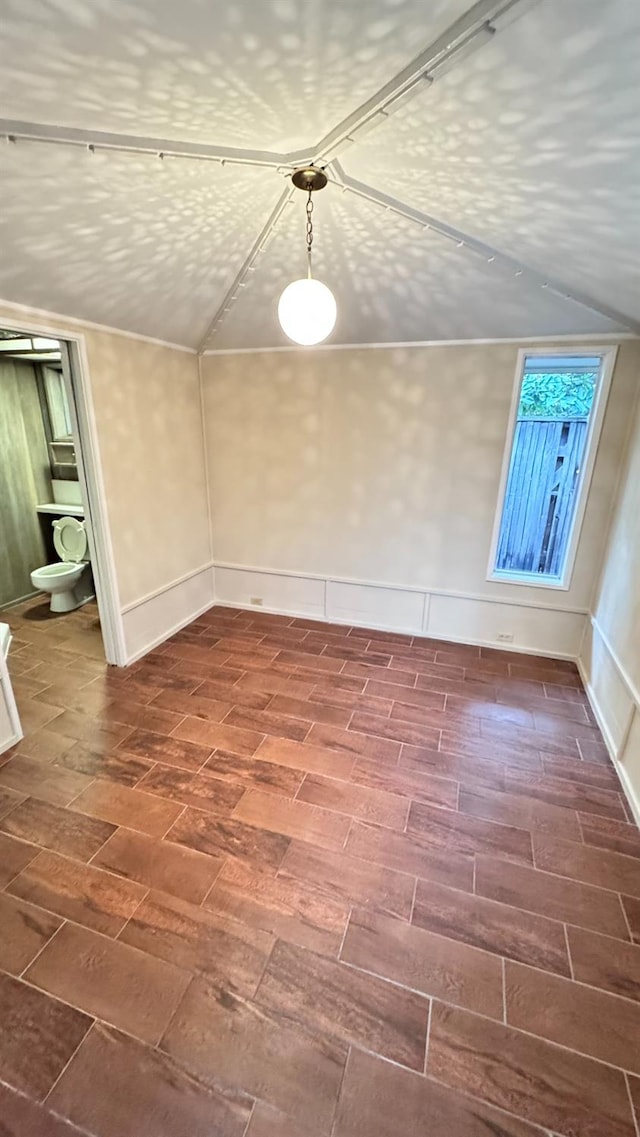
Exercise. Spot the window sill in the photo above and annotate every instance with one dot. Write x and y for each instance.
(529, 580)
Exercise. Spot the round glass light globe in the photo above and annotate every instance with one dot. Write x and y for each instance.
(307, 311)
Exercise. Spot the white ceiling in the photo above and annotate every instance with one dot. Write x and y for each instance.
(126, 239)
(528, 149)
(268, 74)
(533, 144)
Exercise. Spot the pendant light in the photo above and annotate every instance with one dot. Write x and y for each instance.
(307, 308)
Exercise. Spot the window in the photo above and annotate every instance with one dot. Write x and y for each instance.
(553, 435)
(58, 407)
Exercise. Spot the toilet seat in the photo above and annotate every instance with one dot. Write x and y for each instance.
(70, 540)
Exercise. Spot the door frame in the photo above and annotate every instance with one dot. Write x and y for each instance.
(77, 381)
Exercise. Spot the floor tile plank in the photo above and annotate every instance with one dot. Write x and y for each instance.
(550, 895)
(424, 961)
(293, 818)
(39, 1035)
(329, 998)
(499, 928)
(537, 1080)
(447, 829)
(424, 787)
(110, 980)
(142, 1092)
(223, 1040)
(290, 909)
(25, 931)
(28, 776)
(410, 853)
(316, 759)
(22, 1117)
(523, 812)
(171, 751)
(121, 805)
(374, 805)
(604, 962)
(199, 941)
(593, 866)
(271, 777)
(78, 892)
(350, 879)
(221, 836)
(576, 1016)
(188, 788)
(379, 1099)
(14, 855)
(62, 830)
(158, 864)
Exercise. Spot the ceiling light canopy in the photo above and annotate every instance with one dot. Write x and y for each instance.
(307, 308)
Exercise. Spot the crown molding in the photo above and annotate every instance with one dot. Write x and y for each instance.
(576, 338)
(29, 313)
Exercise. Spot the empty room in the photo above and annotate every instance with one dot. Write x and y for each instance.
(319, 568)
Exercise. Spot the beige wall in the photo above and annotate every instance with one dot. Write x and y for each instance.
(617, 607)
(147, 406)
(611, 653)
(146, 398)
(382, 465)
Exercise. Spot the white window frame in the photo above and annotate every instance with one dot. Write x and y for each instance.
(607, 356)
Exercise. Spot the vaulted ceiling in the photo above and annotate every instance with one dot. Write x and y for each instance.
(484, 164)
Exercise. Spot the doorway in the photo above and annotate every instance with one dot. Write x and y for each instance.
(52, 514)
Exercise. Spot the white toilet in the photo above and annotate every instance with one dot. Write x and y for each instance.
(69, 580)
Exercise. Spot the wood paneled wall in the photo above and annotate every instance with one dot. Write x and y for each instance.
(25, 479)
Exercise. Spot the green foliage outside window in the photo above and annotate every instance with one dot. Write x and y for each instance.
(557, 394)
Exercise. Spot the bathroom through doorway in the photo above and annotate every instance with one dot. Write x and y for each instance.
(58, 606)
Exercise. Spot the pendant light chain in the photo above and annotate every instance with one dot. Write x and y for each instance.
(309, 209)
(307, 308)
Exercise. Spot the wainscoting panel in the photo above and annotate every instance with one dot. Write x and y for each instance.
(277, 592)
(469, 619)
(629, 765)
(152, 619)
(544, 631)
(607, 686)
(374, 606)
(616, 705)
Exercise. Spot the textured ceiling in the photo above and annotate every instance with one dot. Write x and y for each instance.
(533, 144)
(126, 239)
(390, 280)
(528, 148)
(270, 74)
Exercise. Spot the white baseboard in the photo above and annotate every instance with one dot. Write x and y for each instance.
(154, 619)
(457, 617)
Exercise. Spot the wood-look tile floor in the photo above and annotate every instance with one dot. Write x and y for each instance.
(287, 879)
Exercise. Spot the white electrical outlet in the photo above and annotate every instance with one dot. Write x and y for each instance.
(255, 600)
(505, 637)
